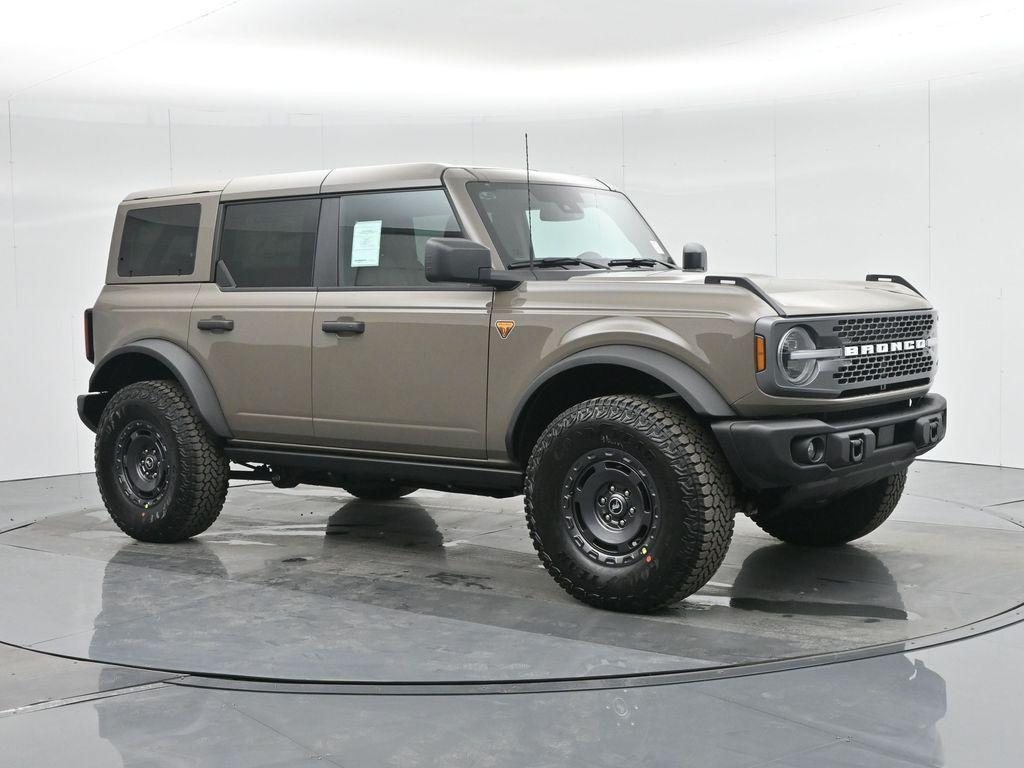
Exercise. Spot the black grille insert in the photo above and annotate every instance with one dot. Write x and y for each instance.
(872, 328)
(872, 369)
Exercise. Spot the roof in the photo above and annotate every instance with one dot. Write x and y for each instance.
(367, 177)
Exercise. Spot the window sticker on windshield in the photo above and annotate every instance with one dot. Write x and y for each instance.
(657, 248)
(366, 244)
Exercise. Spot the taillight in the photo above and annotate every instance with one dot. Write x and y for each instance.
(90, 352)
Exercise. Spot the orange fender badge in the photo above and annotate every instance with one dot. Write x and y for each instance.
(504, 327)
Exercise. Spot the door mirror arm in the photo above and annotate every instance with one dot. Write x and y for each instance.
(499, 279)
(224, 278)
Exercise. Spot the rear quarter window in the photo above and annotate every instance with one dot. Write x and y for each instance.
(159, 240)
(270, 244)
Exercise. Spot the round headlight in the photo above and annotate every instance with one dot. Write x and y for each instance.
(796, 369)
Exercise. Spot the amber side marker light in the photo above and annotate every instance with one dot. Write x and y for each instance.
(759, 355)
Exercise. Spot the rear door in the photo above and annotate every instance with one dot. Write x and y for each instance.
(253, 337)
(399, 364)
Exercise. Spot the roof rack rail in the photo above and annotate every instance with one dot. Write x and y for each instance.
(893, 279)
(750, 285)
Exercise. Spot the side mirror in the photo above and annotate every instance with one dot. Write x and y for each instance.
(695, 258)
(457, 260)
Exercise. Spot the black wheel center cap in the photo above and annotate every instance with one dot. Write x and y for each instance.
(616, 505)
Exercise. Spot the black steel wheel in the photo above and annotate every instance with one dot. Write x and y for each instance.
(629, 502)
(142, 464)
(613, 505)
(162, 475)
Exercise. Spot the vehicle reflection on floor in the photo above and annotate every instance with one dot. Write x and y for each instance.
(785, 590)
(314, 587)
(300, 586)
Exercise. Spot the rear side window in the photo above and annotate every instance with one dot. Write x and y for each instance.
(270, 244)
(159, 241)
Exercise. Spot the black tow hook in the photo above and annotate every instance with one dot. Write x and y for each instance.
(928, 430)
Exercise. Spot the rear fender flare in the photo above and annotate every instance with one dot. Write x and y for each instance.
(185, 368)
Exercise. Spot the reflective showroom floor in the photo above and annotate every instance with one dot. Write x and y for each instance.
(308, 628)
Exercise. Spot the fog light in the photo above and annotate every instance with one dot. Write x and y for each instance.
(809, 450)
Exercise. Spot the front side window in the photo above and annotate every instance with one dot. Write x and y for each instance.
(270, 244)
(382, 236)
(563, 222)
(160, 240)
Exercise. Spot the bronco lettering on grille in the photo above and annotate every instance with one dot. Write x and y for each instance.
(883, 348)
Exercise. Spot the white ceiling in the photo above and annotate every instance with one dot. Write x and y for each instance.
(461, 56)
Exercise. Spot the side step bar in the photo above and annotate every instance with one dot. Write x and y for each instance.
(436, 475)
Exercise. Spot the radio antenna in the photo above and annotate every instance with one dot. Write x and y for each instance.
(529, 217)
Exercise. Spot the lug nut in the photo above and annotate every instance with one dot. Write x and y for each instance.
(602, 501)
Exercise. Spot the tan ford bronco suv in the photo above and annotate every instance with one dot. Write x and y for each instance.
(497, 332)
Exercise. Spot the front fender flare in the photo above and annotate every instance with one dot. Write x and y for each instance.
(186, 370)
(695, 390)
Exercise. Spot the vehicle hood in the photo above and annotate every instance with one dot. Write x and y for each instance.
(795, 297)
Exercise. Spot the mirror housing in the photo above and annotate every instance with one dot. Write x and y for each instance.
(695, 258)
(458, 260)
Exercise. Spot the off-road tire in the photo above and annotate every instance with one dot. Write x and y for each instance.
(696, 497)
(837, 521)
(377, 490)
(195, 466)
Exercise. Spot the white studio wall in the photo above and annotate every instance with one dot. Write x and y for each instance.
(924, 179)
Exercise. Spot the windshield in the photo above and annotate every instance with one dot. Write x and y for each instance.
(564, 222)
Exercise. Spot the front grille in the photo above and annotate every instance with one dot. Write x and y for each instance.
(873, 369)
(873, 328)
(888, 370)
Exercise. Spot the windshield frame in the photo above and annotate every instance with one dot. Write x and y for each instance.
(508, 259)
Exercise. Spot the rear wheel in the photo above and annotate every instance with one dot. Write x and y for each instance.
(161, 474)
(629, 502)
(377, 490)
(836, 521)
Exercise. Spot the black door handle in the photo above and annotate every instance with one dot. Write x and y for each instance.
(343, 326)
(215, 324)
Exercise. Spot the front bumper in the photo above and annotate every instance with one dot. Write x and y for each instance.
(857, 447)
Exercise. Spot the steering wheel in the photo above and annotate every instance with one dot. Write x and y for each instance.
(590, 255)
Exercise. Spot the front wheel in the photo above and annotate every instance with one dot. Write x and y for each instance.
(836, 521)
(629, 502)
(161, 474)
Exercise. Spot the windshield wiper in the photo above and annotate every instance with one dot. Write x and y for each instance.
(640, 262)
(562, 261)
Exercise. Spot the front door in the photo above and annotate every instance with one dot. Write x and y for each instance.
(399, 364)
(253, 338)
